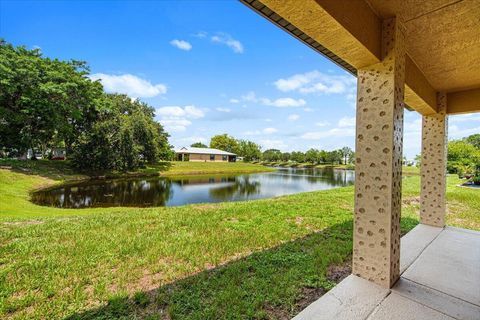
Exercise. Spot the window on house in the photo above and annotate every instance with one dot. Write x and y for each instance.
(224, 158)
(212, 157)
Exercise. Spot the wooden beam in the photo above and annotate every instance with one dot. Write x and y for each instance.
(352, 31)
(419, 94)
(467, 101)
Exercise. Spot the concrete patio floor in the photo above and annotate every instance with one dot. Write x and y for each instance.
(440, 279)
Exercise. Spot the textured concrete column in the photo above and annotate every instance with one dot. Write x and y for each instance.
(378, 166)
(434, 165)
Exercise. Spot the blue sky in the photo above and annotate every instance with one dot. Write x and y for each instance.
(208, 67)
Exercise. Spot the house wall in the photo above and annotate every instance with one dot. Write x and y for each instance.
(206, 157)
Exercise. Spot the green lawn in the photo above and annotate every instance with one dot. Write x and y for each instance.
(262, 259)
(186, 168)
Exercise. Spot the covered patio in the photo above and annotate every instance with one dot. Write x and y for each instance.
(423, 56)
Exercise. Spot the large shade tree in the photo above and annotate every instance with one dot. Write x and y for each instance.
(123, 137)
(43, 100)
(224, 142)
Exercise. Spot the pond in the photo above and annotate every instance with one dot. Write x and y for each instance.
(162, 191)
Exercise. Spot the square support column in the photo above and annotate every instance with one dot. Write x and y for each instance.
(434, 165)
(378, 167)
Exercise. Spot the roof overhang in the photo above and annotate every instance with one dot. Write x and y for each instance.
(443, 42)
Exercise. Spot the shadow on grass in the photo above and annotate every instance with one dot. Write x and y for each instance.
(63, 170)
(276, 283)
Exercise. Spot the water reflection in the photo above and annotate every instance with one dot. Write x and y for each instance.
(159, 191)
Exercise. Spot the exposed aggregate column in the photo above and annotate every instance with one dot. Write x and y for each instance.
(434, 165)
(378, 166)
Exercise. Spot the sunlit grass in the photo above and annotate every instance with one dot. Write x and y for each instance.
(252, 259)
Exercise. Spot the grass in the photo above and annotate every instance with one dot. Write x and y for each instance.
(188, 168)
(262, 259)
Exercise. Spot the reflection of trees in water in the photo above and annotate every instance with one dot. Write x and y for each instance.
(241, 186)
(132, 192)
(334, 177)
(203, 180)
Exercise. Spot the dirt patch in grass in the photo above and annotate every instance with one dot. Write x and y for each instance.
(24, 223)
(207, 207)
(411, 201)
(277, 313)
(307, 297)
(337, 273)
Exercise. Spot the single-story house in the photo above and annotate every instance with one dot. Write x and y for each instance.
(204, 155)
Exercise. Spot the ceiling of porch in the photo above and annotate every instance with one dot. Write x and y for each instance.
(442, 40)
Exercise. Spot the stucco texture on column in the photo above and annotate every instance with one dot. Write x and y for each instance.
(379, 140)
(434, 165)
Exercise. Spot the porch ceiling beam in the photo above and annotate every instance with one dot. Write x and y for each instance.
(463, 101)
(352, 31)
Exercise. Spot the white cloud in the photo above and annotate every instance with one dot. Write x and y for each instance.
(250, 97)
(283, 102)
(261, 132)
(273, 144)
(223, 109)
(464, 118)
(454, 132)
(269, 130)
(181, 44)
(129, 84)
(176, 118)
(317, 82)
(346, 122)
(293, 117)
(322, 123)
(234, 101)
(201, 34)
(335, 132)
(175, 111)
(279, 103)
(308, 109)
(226, 39)
(192, 139)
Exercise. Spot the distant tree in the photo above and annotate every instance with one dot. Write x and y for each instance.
(351, 157)
(418, 160)
(462, 155)
(249, 150)
(298, 156)
(345, 153)
(272, 155)
(198, 145)
(474, 140)
(224, 142)
(123, 137)
(312, 155)
(285, 156)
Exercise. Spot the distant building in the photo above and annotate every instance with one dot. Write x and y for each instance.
(204, 155)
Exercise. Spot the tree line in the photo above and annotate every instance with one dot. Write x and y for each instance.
(47, 103)
(251, 151)
(464, 156)
(344, 155)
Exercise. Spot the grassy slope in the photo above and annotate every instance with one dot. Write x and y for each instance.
(185, 168)
(262, 257)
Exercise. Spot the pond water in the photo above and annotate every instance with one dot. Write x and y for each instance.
(161, 191)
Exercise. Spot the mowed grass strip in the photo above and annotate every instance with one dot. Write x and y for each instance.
(244, 260)
(189, 168)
